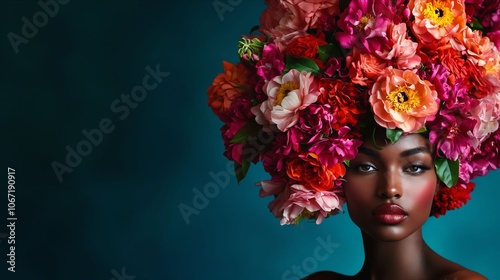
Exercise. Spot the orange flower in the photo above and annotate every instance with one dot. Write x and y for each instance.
(308, 171)
(400, 99)
(436, 21)
(479, 49)
(226, 87)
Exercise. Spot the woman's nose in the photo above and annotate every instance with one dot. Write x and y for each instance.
(389, 185)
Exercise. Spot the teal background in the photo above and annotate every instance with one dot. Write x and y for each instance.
(118, 210)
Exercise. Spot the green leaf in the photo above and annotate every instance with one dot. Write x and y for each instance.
(447, 171)
(347, 162)
(393, 134)
(474, 24)
(251, 128)
(325, 52)
(422, 129)
(374, 141)
(301, 64)
(241, 170)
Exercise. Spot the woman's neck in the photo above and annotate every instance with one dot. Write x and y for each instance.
(404, 259)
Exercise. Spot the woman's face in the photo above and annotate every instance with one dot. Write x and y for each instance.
(389, 192)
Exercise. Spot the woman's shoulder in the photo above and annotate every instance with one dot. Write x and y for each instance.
(327, 275)
(449, 270)
(464, 274)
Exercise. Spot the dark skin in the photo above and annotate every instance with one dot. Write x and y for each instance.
(401, 173)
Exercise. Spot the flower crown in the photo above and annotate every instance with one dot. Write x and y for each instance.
(322, 74)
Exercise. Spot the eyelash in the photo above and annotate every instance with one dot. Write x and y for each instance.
(421, 168)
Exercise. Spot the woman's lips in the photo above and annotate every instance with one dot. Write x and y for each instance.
(390, 214)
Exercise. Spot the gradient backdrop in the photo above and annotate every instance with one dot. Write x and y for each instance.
(116, 214)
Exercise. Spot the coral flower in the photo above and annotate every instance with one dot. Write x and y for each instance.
(365, 68)
(288, 94)
(436, 21)
(317, 12)
(400, 99)
(227, 87)
(478, 49)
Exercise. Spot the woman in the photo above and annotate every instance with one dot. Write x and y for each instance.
(389, 195)
(310, 92)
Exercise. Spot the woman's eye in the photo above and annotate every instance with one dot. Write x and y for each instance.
(364, 168)
(416, 169)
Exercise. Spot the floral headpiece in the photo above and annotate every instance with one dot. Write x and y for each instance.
(321, 74)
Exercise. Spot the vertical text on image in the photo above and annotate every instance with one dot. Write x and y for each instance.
(11, 219)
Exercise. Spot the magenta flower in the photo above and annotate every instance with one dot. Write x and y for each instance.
(314, 122)
(364, 24)
(273, 159)
(334, 150)
(239, 115)
(272, 62)
(447, 135)
(495, 38)
(486, 158)
(437, 75)
(491, 14)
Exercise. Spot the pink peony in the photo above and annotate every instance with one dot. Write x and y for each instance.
(281, 194)
(317, 13)
(287, 95)
(402, 50)
(486, 113)
(282, 22)
(400, 99)
(303, 202)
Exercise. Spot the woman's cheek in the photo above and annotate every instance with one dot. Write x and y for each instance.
(423, 195)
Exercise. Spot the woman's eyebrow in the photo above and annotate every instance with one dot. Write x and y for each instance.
(413, 151)
(369, 152)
